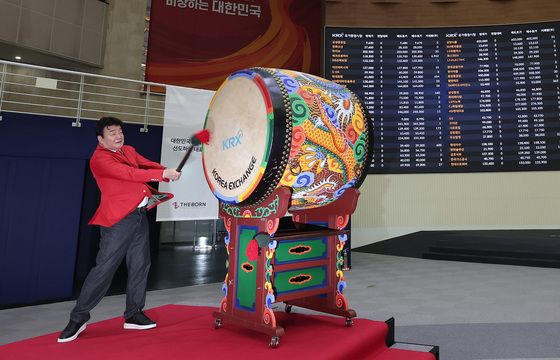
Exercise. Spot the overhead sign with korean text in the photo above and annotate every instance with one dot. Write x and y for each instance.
(198, 43)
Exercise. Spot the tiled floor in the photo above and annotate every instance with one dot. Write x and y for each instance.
(472, 311)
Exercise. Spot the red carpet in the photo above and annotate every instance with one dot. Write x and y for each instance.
(187, 332)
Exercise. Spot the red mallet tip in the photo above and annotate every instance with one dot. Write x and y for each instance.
(203, 136)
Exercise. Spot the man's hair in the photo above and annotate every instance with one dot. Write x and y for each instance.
(106, 121)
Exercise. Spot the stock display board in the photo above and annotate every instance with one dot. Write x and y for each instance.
(466, 99)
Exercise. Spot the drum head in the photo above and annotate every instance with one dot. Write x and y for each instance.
(241, 123)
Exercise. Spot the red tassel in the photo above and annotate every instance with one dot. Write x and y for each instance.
(203, 136)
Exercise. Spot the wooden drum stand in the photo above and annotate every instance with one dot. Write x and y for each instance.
(300, 268)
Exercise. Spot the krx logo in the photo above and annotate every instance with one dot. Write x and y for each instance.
(232, 141)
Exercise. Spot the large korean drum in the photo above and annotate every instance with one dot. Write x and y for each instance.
(272, 128)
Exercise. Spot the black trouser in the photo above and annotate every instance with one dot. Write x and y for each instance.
(129, 237)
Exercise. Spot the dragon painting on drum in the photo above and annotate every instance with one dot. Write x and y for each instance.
(273, 127)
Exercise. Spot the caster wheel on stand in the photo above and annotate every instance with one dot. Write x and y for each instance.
(274, 342)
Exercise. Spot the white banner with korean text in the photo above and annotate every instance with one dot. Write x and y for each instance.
(185, 111)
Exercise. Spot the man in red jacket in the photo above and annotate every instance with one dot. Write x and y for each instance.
(121, 174)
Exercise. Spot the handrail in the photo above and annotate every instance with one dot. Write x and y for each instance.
(146, 112)
(77, 123)
(33, 86)
(4, 66)
(46, 105)
(24, 87)
(79, 73)
(40, 96)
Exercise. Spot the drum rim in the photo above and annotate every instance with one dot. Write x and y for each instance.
(369, 141)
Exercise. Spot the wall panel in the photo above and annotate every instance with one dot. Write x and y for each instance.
(46, 203)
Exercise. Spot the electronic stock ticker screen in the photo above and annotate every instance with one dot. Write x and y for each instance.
(467, 99)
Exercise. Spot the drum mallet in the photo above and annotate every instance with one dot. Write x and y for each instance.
(202, 136)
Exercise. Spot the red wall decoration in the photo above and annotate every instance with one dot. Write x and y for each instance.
(198, 43)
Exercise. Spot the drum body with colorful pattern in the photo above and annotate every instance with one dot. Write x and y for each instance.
(272, 127)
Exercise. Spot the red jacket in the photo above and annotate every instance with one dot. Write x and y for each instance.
(122, 178)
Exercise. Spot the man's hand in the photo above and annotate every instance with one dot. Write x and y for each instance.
(171, 174)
